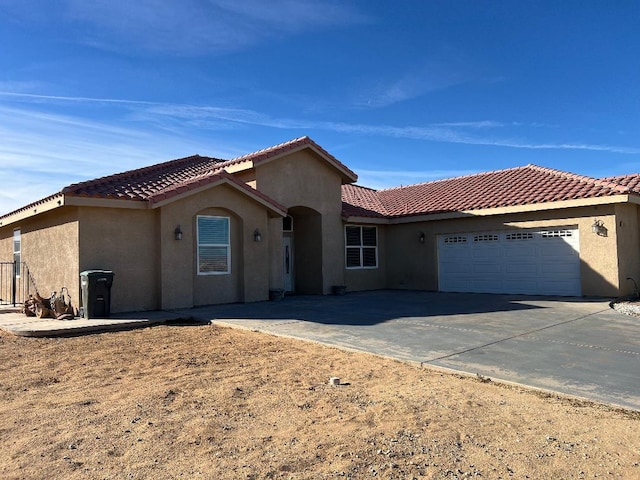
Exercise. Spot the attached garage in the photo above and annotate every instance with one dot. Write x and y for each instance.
(534, 262)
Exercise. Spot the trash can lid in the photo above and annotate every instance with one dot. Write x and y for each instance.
(88, 273)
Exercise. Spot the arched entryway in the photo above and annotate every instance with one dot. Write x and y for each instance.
(302, 251)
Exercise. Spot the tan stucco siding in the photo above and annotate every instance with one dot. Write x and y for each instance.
(413, 265)
(6, 243)
(49, 247)
(248, 281)
(358, 279)
(124, 241)
(627, 228)
(303, 179)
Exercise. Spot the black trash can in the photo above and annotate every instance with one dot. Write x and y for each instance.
(96, 293)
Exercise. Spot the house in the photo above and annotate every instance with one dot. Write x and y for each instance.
(200, 230)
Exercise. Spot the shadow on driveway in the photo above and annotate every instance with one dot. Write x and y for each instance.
(366, 308)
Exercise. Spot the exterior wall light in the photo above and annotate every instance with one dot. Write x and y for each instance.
(598, 228)
(421, 237)
(257, 236)
(177, 233)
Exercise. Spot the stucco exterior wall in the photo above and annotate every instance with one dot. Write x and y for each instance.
(126, 242)
(627, 228)
(302, 179)
(49, 247)
(181, 286)
(414, 265)
(6, 243)
(358, 279)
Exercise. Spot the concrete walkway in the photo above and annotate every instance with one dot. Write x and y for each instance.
(567, 345)
(15, 322)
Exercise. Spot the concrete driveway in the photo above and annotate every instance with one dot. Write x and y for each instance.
(568, 345)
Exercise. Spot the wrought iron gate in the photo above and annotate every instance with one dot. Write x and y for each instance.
(15, 283)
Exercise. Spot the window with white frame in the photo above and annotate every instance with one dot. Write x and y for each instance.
(214, 247)
(361, 244)
(17, 251)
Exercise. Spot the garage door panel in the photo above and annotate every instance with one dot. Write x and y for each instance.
(456, 253)
(529, 268)
(559, 268)
(543, 262)
(458, 268)
(486, 253)
(484, 268)
(520, 251)
(519, 286)
(486, 286)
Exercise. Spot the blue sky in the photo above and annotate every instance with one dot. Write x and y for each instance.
(401, 92)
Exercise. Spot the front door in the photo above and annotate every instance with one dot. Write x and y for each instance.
(287, 263)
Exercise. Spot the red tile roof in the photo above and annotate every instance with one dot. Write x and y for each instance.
(182, 174)
(358, 201)
(144, 183)
(630, 181)
(503, 188)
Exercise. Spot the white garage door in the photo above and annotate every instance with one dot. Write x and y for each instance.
(535, 262)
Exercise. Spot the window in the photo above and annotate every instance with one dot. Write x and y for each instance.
(17, 251)
(519, 236)
(214, 249)
(361, 247)
(287, 224)
(556, 233)
(455, 239)
(486, 238)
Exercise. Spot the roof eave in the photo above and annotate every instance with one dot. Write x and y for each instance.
(37, 208)
(532, 207)
(274, 208)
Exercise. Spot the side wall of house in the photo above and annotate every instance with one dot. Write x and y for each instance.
(628, 234)
(49, 247)
(302, 180)
(414, 265)
(248, 280)
(126, 242)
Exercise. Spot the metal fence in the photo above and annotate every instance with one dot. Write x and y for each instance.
(15, 283)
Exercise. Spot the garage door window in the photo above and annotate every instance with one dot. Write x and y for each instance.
(361, 246)
(214, 249)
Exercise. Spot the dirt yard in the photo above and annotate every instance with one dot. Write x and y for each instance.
(207, 402)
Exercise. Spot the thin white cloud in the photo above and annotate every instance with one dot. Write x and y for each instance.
(41, 152)
(412, 85)
(380, 179)
(443, 68)
(203, 116)
(187, 27)
(478, 124)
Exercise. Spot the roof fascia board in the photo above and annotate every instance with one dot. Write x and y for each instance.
(55, 202)
(373, 220)
(534, 207)
(80, 201)
(239, 167)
